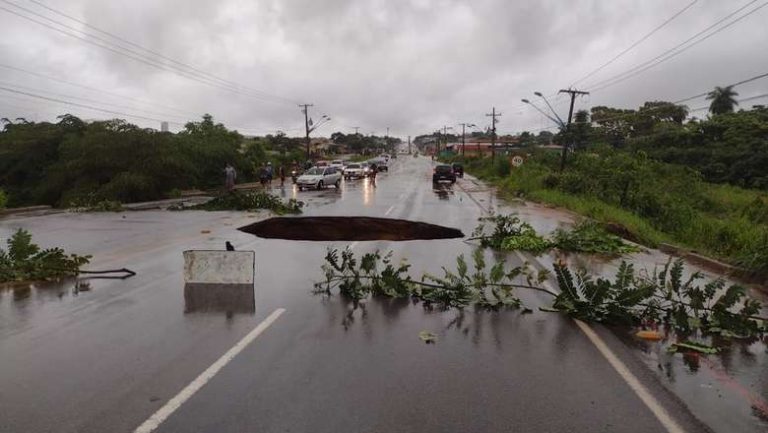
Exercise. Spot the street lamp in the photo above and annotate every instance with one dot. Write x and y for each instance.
(557, 120)
(550, 107)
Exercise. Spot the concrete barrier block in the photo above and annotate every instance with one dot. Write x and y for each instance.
(219, 267)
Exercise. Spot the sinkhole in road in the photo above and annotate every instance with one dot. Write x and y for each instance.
(338, 228)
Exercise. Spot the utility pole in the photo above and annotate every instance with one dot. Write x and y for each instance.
(356, 128)
(306, 125)
(463, 134)
(493, 115)
(573, 93)
(409, 145)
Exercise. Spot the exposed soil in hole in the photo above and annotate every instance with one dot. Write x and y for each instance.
(348, 229)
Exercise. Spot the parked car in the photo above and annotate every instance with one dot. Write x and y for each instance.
(321, 164)
(458, 169)
(443, 172)
(366, 166)
(381, 164)
(319, 178)
(354, 171)
(338, 164)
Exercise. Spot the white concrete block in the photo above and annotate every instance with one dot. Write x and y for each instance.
(219, 267)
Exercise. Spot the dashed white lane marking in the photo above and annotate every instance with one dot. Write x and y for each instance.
(185, 394)
(389, 210)
(353, 245)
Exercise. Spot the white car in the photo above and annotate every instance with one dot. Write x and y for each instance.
(338, 164)
(319, 177)
(354, 170)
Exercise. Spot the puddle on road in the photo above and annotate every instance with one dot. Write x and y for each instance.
(348, 229)
(219, 298)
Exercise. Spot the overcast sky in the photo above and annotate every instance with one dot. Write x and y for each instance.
(411, 65)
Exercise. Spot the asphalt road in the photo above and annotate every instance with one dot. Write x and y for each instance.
(107, 359)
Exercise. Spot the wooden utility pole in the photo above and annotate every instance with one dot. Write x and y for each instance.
(573, 93)
(493, 115)
(409, 145)
(463, 134)
(356, 128)
(306, 125)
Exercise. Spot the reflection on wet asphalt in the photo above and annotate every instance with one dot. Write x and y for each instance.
(107, 358)
(211, 298)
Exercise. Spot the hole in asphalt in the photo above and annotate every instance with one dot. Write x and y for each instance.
(348, 229)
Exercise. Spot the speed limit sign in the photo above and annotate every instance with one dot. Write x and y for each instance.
(517, 161)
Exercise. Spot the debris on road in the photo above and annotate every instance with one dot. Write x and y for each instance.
(649, 335)
(428, 337)
(25, 261)
(687, 346)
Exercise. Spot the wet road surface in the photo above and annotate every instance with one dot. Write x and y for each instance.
(109, 358)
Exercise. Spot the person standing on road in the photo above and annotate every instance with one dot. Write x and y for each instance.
(374, 172)
(230, 175)
(281, 173)
(270, 174)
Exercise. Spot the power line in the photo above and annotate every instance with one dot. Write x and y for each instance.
(75, 104)
(18, 86)
(155, 53)
(93, 89)
(140, 57)
(676, 50)
(679, 101)
(144, 116)
(635, 44)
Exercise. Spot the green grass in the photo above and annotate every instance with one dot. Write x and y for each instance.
(643, 231)
(722, 221)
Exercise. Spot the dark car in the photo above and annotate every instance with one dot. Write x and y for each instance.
(458, 169)
(443, 172)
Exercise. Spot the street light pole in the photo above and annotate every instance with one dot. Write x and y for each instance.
(493, 116)
(573, 93)
(463, 134)
(306, 125)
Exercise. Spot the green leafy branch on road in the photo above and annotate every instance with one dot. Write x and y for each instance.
(630, 298)
(377, 275)
(510, 233)
(25, 261)
(252, 200)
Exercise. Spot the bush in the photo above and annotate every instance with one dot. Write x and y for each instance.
(502, 167)
(245, 201)
(25, 261)
(3, 199)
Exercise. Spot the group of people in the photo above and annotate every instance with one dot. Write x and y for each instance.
(266, 174)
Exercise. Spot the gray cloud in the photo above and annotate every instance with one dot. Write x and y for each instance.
(410, 65)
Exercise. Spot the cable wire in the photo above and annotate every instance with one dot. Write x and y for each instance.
(142, 58)
(635, 44)
(674, 51)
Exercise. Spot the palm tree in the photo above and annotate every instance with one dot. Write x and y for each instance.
(723, 100)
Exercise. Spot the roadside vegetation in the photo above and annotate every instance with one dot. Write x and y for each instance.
(510, 233)
(251, 201)
(24, 261)
(652, 178)
(74, 163)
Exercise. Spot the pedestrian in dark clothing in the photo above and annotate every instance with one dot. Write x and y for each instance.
(374, 172)
(281, 173)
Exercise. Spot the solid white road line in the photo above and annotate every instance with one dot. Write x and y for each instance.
(642, 392)
(185, 394)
